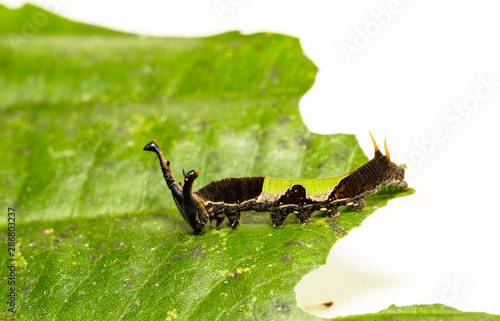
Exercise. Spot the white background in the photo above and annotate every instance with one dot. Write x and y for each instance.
(415, 73)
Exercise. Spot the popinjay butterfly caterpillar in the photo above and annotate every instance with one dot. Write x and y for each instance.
(280, 197)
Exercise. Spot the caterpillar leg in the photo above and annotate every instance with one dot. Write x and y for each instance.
(218, 212)
(303, 214)
(232, 214)
(278, 216)
(234, 217)
(358, 205)
(219, 218)
(331, 211)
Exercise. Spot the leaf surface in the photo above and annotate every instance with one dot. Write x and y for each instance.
(98, 235)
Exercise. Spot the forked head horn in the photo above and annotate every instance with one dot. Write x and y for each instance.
(377, 151)
(387, 155)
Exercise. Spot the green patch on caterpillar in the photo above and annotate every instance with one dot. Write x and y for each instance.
(280, 197)
(314, 187)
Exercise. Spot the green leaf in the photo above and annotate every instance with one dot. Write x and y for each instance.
(433, 312)
(98, 235)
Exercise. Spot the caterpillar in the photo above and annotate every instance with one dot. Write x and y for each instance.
(231, 196)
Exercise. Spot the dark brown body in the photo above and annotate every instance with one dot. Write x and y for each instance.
(231, 196)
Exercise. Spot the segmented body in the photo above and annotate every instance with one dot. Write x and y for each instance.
(280, 197)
